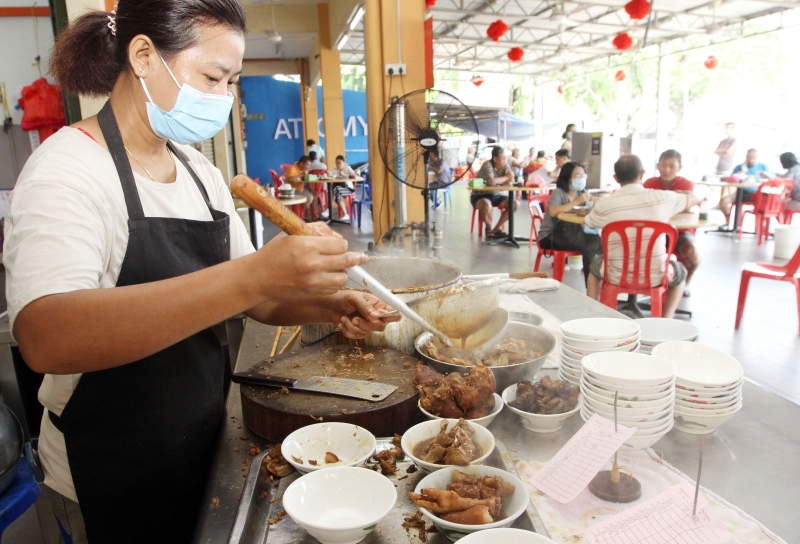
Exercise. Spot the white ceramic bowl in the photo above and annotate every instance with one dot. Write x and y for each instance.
(482, 421)
(609, 401)
(575, 344)
(622, 389)
(513, 505)
(629, 369)
(340, 505)
(698, 364)
(599, 328)
(623, 396)
(538, 423)
(657, 330)
(689, 388)
(642, 429)
(579, 353)
(701, 424)
(572, 366)
(568, 378)
(428, 429)
(506, 536)
(352, 444)
(709, 411)
(630, 412)
(609, 413)
(716, 403)
(572, 372)
(641, 442)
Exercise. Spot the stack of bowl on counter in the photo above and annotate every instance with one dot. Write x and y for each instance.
(708, 388)
(582, 337)
(645, 389)
(657, 330)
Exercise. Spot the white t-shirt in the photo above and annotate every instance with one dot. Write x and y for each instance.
(67, 229)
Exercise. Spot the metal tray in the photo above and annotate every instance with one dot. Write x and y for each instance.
(251, 524)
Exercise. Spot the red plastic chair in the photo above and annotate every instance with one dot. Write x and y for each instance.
(639, 284)
(285, 167)
(277, 180)
(537, 205)
(476, 214)
(559, 255)
(768, 203)
(788, 215)
(787, 272)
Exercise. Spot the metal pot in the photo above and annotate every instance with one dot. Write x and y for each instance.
(11, 444)
(410, 279)
(503, 375)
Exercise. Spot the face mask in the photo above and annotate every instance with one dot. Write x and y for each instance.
(569, 135)
(578, 184)
(195, 117)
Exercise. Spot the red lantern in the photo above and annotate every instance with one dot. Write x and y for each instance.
(711, 62)
(430, 3)
(637, 9)
(477, 80)
(496, 30)
(622, 41)
(620, 75)
(516, 54)
(560, 89)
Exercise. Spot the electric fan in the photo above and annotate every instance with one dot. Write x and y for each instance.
(415, 125)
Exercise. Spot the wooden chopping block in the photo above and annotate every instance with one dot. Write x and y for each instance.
(274, 415)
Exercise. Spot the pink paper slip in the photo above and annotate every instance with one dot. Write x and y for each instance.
(664, 519)
(574, 466)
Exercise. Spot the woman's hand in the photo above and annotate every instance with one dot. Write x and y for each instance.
(357, 314)
(583, 198)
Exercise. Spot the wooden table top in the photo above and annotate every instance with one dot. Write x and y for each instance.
(745, 185)
(336, 180)
(293, 201)
(502, 188)
(681, 221)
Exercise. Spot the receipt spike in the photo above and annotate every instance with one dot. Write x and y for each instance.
(697, 484)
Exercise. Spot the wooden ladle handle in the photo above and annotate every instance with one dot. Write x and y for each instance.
(270, 207)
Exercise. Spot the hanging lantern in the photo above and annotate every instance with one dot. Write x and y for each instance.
(430, 3)
(711, 62)
(560, 89)
(496, 30)
(620, 75)
(622, 41)
(477, 80)
(516, 54)
(638, 9)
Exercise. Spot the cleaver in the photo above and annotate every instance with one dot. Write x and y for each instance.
(344, 387)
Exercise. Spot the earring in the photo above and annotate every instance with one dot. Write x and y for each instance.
(141, 69)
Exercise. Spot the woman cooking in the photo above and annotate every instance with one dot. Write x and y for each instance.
(123, 249)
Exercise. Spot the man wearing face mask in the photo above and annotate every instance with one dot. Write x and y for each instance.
(123, 249)
(555, 234)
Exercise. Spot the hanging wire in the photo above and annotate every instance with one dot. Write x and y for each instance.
(38, 62)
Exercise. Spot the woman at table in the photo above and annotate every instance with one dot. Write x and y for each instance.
(570, 191)
(342, 190)
(123, 249)
(567, 143)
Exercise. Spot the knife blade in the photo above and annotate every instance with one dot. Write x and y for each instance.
(344, 387)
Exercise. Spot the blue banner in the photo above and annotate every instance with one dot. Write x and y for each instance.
(274, 124)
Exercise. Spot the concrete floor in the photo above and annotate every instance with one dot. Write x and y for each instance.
(767, 343)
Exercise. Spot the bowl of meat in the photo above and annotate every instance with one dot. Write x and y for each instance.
(442, 443)
(455, 396)
(544, 406)
(466, 500)
(518, 356)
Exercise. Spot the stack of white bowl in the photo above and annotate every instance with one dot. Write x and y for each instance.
(657, 330)
(708, 388)
(581, 337)
(646, 393)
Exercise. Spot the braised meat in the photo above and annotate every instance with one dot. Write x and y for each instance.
(450, 448)
(455, 396)
(547, 396)
(509, 351)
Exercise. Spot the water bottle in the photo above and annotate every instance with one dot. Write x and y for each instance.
(704, 210)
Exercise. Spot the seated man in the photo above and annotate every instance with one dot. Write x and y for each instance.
(294, 177)
(669, 164)
(562, 158)
(494, 172)
(515, 164)
(341, 190)
(750, 170)
(631, 202)
(314, 164)
(534, 164)
(443, 175)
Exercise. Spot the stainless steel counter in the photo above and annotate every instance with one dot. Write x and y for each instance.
(753, 460)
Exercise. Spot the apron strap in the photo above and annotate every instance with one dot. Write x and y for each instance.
(197, 181)
(110, 129)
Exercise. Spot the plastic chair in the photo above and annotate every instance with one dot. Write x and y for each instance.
(787, 272)
(559, 255)
(21, 495)
(537, 205)
(366, 199)
(639, 284)
(446, 196)
(277, 180)
(285, 167)
(768, 203)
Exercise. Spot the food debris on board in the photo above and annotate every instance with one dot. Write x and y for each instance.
(276, 465)
(214, 502)
(284, 391)
(415, 521)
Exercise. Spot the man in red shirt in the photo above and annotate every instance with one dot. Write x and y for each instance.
(669, 164)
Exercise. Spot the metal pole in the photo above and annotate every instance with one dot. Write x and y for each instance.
(400, 204)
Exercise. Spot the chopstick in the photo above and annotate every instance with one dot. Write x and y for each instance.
(275, 342)
(291, 339)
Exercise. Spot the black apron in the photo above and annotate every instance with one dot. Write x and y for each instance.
(140, 437)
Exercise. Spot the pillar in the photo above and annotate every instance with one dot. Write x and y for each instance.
(308, 102)
(381, 47)
(664, 67)
(538, 115)
(331, 71)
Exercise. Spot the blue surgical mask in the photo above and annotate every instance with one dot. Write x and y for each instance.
(569, 134)
(195, 117)
(578, 184)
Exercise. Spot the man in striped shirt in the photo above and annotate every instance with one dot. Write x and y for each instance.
(633, 202)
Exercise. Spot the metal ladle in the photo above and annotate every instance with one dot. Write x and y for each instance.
(259, 199)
